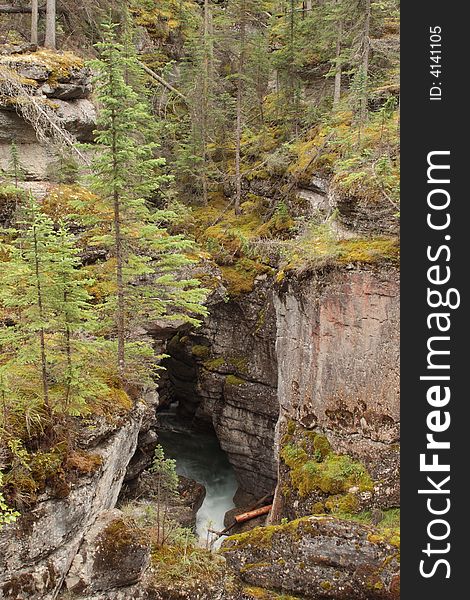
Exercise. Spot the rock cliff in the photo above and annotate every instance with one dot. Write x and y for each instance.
(37, 551)
(338, 354)
(318, 558)
(56, 82)
(225, 375)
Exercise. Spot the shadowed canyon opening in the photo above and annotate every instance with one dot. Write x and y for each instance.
(199, 457)
(206, 424)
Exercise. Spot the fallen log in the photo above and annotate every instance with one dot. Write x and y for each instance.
(252, 514)
(255, 505)
(162, 81)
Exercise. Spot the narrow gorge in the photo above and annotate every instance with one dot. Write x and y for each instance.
(230, 428)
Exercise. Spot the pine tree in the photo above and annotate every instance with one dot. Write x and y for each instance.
(46, 370)
(241, 17)
(144, 257)
(167, 489)
(16, 170)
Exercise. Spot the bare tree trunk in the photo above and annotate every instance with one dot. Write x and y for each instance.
(42, 337)
(68, 351)
(34, 21)
(339, 35)
(50, 24)
(120, 318)
(292, 77)
(365, 60)
(241, 67)
(205, 94)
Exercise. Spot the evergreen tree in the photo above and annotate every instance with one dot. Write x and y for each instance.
(145, 259)
(46, 369)
(16, 170)
(240, 23)
(167, 489)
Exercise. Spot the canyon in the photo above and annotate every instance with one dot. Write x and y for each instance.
(307, 361)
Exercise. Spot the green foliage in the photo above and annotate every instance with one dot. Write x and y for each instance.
(126, 175)
(53, 366)
(315, 468)
(16, 170)
(46, 311)
(185, 566)
(166, 491)
(7, 514)
(165, 470)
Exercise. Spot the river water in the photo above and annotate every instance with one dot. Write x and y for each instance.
(199, 456)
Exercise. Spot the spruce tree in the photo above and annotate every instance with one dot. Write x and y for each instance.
(48, 368)
(16, 170)
(143, 256)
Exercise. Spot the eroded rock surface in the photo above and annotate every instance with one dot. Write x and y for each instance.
(225, 374)
(338, 354)
(318, 558)
(114, 554)
(63, 84)
(37, 551)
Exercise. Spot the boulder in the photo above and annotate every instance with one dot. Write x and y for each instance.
(318, 558)
(78, 117)
(182, 509)
(114, 554)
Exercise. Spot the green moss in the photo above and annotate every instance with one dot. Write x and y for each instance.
(390, 519)
(259, 537)
(250, 566)
(294, 456)
(214, 364)
(239, 362)
(325, 585)
(234, 380)
(240, 278)
(318, 508)
(60, 64)
(321, 445)
(314, 467)
(261, 319)
(257, 593)
(291, 426)
(369, 250)
(385, 536)
(342, 504)
(200, 351)
(175, 565)
(319, 246)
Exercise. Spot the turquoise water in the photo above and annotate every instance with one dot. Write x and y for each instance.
(199, 456)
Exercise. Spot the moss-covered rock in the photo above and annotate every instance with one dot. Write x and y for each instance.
(115, 553)
(317, 558)
(322, 480)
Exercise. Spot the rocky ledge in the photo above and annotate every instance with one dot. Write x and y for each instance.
(58, 81)
(37, 551)
(318, 558)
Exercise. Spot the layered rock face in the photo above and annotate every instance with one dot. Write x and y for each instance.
(338, 353)
(61, 84)
(225, 374)
(38, 550)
